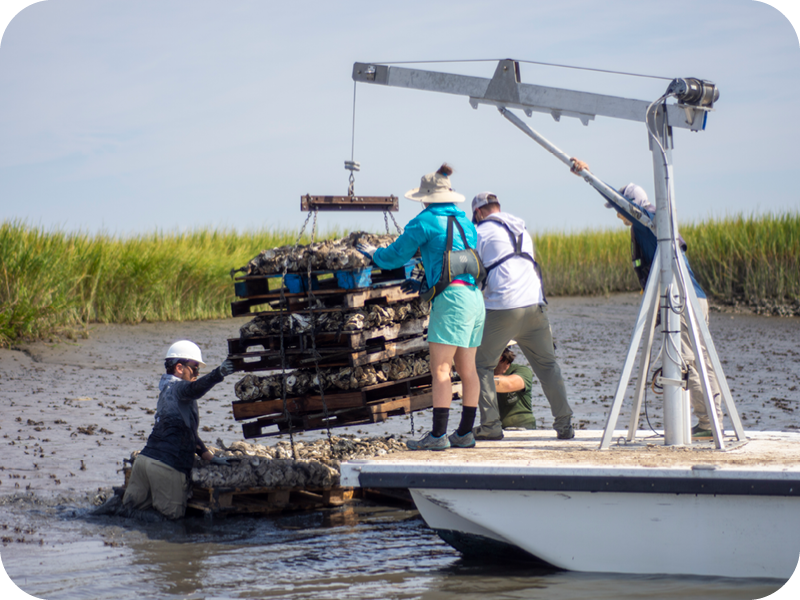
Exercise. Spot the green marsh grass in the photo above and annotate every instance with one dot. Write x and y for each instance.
(55, 283)
(739, 258)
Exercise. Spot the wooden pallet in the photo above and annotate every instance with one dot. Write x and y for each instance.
(308, 413)
(345, 348)
(212, 501)
(332, 298)
(333, 400)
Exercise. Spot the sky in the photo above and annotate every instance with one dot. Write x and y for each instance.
(126, 118)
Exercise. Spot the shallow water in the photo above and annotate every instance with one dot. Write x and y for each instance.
(357, 552)
(52, 463)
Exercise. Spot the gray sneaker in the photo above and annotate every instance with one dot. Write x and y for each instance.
(429, 443)
(462, 441)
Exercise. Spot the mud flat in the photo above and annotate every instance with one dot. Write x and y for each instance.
(72, 411)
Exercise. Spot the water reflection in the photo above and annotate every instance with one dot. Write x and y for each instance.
(354, 552)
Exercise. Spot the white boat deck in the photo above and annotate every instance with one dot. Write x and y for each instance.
(738, 509)
(761, 451)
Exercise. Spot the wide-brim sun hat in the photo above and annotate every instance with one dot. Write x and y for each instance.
(435, 188)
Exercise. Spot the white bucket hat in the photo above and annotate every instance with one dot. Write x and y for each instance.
(434, 188)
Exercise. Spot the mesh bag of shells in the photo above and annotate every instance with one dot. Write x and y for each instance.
(328, 255)
(360, 319)
(258, 466)
(257, 387)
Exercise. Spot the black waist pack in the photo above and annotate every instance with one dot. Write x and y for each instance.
(455, 263)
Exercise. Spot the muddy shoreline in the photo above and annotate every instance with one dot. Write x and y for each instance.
(73, 410)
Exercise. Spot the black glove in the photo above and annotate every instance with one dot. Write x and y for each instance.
(409, 286)
(226, 368)
(414, 281)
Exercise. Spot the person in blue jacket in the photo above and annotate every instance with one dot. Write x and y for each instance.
(457, 313)
(161, 473)
(643, 249)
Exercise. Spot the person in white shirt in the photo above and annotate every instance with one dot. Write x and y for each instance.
(516, 308)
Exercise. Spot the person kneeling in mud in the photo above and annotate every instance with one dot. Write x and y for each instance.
(513, 383)
(161, 473)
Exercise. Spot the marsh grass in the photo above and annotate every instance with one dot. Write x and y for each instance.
(749, 259)
(56, 283)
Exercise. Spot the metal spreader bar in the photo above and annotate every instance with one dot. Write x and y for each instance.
(349, 203)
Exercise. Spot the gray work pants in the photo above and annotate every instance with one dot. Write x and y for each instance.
(695, 381)
(530, 327)
(154, 484)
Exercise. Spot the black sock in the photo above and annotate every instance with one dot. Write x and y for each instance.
(440, 421)
(467, 419)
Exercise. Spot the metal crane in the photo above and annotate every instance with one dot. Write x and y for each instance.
(669, 288)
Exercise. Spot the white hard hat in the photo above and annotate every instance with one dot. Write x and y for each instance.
(186, 349)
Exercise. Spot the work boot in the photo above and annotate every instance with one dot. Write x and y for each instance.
(462, 441)
(565, 433)
(488, 433)
(563, 427)
(698, 433)
(429, 443)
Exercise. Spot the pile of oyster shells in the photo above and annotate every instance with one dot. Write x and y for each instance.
(256, 387)
(317, 464)
(329, 255)
(371, 317)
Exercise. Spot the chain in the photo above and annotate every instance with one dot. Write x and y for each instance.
(396, 225)
(311, 302)
(286, 414)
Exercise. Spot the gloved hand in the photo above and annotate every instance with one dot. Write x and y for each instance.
(410, 286)
(220, 460)
(226, 368)
(366, 249)
(414, 281)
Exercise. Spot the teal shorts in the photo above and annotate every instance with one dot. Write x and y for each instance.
(457, 317)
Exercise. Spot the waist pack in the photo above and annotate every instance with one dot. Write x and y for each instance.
(455, 263)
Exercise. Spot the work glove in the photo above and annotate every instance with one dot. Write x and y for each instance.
(226, 368)
(220, 460)
(366, 249)
(414, 281)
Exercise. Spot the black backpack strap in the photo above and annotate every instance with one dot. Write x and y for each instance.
(450, 220)
(516, 243)
(449, 246)
(473, 264)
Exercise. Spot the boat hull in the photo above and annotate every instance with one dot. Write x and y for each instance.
(733, 536)
(638, 509)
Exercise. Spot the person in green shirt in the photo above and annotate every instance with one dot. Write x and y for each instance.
(513, 383)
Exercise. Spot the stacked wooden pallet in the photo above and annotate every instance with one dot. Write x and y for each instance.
(211, 501)
(292, 341)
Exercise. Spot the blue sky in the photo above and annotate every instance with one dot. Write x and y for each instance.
(127, 117)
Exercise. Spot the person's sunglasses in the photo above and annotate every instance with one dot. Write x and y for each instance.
(194, 368)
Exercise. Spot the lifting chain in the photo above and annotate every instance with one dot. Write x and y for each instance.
(286, 414)
(386, 215)
(351, 166)
(315, 354)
